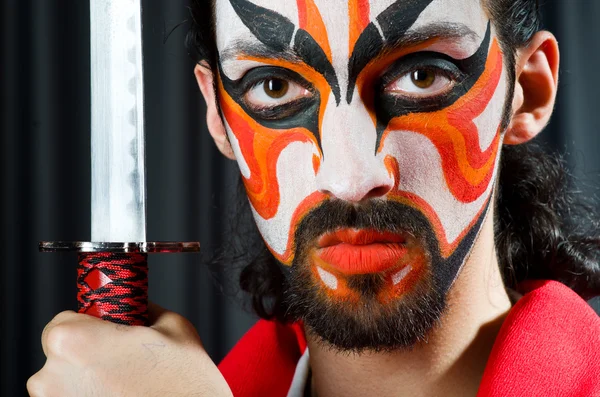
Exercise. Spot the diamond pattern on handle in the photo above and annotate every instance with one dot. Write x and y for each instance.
(96, 279)
(114, 286)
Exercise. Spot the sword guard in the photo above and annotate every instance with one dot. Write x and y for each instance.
(141, 247)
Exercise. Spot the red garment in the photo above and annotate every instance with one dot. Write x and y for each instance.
(549, 345)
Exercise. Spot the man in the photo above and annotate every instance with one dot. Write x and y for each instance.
(373, 140)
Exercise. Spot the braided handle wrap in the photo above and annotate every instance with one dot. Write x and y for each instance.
(114, 286)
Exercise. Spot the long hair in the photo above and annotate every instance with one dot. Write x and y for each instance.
(544, 228)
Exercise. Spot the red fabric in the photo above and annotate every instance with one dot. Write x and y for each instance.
(549, 345)
(263, 362)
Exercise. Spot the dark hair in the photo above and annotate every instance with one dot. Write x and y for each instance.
(544, 229)
(200, 39)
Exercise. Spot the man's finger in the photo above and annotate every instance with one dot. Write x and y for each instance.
(58, 319)
(36, 385)
(154, 312)
(48, 380)
(169, 323)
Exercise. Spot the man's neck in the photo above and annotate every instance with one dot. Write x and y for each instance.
(450, 363)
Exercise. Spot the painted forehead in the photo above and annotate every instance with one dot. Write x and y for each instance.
(335, 26)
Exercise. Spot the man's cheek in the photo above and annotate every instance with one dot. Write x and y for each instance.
(423, 185)
(237, 151)
(259, 148)
(490, 120)
(298, 194)
(294, 175)
(446, 161)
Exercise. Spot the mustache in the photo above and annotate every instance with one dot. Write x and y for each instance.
(381, 215)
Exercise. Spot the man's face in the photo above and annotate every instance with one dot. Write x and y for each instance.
(368, 135)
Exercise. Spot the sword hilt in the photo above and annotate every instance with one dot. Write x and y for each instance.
(112, 278)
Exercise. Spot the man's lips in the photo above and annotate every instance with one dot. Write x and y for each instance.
(352, 251)
(359, 237)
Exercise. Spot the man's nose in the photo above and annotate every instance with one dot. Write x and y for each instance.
(354, 185)
(350, 169)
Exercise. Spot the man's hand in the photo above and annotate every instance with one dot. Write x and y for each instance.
(86, 356)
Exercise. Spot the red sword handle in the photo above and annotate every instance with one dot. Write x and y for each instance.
(113, 286)
(112, 277)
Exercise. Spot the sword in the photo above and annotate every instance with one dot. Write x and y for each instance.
(112, 271)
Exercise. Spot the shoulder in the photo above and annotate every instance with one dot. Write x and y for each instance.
(548, 345)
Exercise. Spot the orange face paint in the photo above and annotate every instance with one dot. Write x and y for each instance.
(262, 147)
(468, 170)
(310, 19)
(358, 15)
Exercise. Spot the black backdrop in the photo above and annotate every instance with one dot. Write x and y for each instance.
(44, 123)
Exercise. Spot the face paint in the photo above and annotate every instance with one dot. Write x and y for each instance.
(398, 102)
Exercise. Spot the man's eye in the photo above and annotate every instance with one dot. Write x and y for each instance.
(274, 92)
(420, 83)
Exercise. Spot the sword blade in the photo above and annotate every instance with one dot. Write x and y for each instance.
(117, 141)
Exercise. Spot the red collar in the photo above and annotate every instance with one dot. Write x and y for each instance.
(549, 345)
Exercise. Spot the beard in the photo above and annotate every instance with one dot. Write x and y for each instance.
(368, 324)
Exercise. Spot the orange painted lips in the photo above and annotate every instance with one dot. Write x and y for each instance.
(352, 251)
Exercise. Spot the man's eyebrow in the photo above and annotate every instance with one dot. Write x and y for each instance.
(372, 46)
(258, 50)
(409, 39)
(441, 31)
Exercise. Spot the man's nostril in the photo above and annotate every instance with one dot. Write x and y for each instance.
(370, 179)
(378, 191)
(355, 195)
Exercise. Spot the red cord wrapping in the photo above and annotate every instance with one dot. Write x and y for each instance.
(114, 286)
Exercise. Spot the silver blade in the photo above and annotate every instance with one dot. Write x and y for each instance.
(118, 173)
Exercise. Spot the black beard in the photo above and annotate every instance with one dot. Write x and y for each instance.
(371, 325)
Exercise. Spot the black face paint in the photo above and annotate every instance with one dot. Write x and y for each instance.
(367, 47)
(394, 21)
(269, 27)
(276, 31)
(399, 17)
(313, 55)
(389, 106)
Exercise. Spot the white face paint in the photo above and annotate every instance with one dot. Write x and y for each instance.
(355, 100)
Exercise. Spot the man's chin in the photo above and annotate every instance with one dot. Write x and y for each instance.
(362, 321)
(371, 277)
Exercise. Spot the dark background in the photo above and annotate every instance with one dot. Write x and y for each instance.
(44, 124)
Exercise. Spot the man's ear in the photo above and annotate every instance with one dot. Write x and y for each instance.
(204, 77)
(535, 88)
